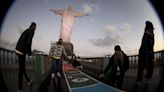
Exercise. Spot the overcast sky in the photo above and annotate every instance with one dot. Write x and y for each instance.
(110, 22)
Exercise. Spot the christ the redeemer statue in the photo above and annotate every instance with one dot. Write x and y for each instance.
(67, 21)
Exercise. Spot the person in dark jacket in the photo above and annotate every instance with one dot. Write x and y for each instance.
(75, 62)
(23, 47)
(146, 54)
(117, 66)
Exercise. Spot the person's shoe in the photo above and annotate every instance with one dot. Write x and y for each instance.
(52, 75)
(20, 90)
(29, 83)
(58, 74)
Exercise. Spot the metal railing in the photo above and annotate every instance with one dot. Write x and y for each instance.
(38, 67)
(96, 65)
(9, 60)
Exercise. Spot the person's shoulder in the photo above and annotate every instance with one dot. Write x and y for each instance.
(31, 31)
(25, 32)
(112, 56)
(124, 54)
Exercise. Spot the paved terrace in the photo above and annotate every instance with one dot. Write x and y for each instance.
(39, 68)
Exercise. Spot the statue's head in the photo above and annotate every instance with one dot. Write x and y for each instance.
(70, 7)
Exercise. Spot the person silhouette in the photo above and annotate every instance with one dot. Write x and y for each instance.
(23, 47)
(116, 68)
(146, 55)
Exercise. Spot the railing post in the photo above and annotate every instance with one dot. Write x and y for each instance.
(12, 58)
(1, 56)
(42, 64)
(5, 52)
(16, 59)
(162, 55)
(9, 58)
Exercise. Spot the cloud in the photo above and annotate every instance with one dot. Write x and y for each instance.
(46, 0)
(3, 42)
(125, 26)
(20, 30)
(87, 9)
(114, 34)
(106, 41)
(122, 27)
(38, 38)
(7, 44)
(110, 28)
(132, 51)
(90, 8)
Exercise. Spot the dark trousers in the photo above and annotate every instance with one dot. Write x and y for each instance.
(22, 70)
(149, 66)
(3, 86)
(118, 79)
(56, 66)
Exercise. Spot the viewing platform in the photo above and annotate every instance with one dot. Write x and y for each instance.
(73, 80)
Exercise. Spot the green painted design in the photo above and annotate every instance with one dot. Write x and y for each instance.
(79, 80)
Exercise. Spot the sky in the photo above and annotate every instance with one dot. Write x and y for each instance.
(110, 23)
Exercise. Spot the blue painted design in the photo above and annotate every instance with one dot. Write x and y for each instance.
(96, 88)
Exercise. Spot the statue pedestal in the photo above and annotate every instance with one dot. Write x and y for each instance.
(68, 48)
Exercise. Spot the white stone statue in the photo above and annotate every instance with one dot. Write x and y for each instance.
(67, 21)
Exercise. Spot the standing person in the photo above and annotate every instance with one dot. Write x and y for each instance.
(118, 65)
(75, 62)
(57, 51)
(146, 54)
(23, 47)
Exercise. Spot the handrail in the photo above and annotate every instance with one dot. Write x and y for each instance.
(97, 65)
(9, 60)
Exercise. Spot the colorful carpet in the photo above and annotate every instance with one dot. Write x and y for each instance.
(78, 81)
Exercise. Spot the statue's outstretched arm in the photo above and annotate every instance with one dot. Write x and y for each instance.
(76, 14)
(60, 12)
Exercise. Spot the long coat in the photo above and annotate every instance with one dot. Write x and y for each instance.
(146, 51)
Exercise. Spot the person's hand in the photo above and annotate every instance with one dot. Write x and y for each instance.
(101, 75)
